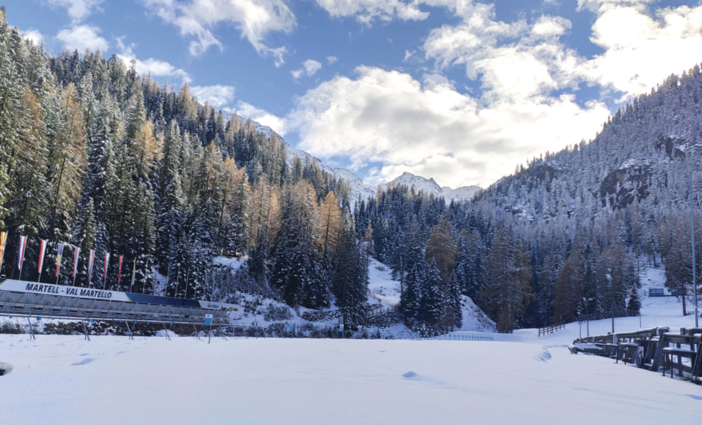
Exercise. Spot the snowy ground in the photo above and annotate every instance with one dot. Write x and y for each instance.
(111, 380)
(518, 378)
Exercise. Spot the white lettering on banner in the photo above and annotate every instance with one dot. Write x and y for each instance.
(61, 290)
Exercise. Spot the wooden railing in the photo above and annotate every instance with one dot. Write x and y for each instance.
(654, 349)
(551, 329)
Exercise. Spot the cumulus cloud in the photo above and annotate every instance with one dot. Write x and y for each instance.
(367, 11)
(331, 59)
(594, 5)
(33, 35)
(430, 129)
(642, 48)
(155, 67)
(246, 110)
(309, 68)
(77, 9)
(255, 19)
(217, 96)
(81, 37)
(514, 61)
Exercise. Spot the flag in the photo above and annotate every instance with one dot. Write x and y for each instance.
(104, 268)
(3, 241)
(59, 254)
(20, 256)
(42, 251)
(133, 276)
(90, 266)
(76, 253)
(119, 274)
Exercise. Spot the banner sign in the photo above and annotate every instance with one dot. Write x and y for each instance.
(61, 290)
(211, 305)
(104, 295)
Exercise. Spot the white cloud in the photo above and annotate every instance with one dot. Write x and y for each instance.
(514, 61)
(155, 67)
(594, 5)
(83, 37)
(642, 48)
(430, 129)
(77, 9)
(246, 110)
(368, 10)
(33, 35)
(254, 18)
(217, 96)
(309, 67)
(331, 59)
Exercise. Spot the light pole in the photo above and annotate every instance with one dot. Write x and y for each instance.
(611, 294)
(588, 300)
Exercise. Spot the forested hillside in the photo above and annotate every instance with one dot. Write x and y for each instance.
(567, 235)
(98, 157)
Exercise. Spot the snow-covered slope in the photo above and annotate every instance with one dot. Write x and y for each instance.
(358, 188)
(431, 187)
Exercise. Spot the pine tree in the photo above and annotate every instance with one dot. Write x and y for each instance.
(508, 274)
(432, 301)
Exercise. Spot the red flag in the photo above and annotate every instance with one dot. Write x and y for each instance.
(119, 274)
(90, 267)
(104, 268)
(76, 253)
(42, 251)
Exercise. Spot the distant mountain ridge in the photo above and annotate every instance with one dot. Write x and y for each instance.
(430, 186)
(358, 188)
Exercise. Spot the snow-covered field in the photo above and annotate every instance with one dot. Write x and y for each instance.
(518, 378)
(111, 380)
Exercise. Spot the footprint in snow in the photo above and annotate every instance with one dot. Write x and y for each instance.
(83, 362)
(545, 356)
(410, 375)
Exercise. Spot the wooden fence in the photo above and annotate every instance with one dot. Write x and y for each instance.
(551, 329)
(654, 349)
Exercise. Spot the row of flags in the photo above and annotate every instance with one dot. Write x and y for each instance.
(59, 255)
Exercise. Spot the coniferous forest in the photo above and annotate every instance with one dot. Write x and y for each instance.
(94, 155)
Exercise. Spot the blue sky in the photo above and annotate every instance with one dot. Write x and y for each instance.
(458, 90)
